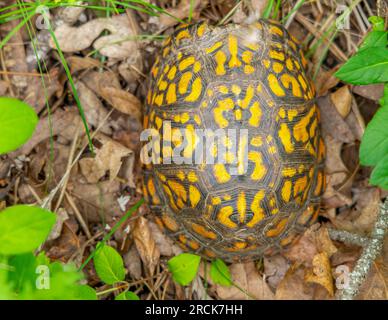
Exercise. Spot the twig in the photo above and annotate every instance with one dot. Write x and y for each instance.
(348, 237)
(368, 256)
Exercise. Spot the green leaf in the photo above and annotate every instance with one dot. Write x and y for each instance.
(129, 295)
(379, 176)
(374, 144)
(366, 67)
(375, 39)
(24, 228)
(85, 292)
(220, 274)
(23, 270)
(377, 22)
(184, 267)
(109, 265)
(17, 123)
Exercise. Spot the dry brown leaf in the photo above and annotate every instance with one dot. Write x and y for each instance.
(165, 244)
(118, 44)
(97, 202)
(321, 272)
(325, 81)
(246, 276)
(62, 216)
(372, 91)
(3, 87)
(275, 267)
(146, 245)
(109, 158)
(342, 100)
(133, 263)
(81, 63)
(293, 286)
(94, 110)
(332, 123)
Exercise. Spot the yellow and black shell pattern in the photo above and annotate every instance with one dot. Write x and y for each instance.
(234, 77)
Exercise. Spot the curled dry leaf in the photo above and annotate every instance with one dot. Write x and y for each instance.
(70, 14)
(107, 86)
(246, 276)
(321, 272)
(342, 100)
(109, 158)
(118, 44)
(94, 110)
(133, 263)
(62, 216)
(146, 245)
(275, 267)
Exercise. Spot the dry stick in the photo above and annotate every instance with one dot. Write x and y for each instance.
(78, 215)
(370, 252)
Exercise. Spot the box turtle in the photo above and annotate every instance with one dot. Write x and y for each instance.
(250, 78)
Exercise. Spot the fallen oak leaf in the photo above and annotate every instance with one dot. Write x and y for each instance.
(321, 272)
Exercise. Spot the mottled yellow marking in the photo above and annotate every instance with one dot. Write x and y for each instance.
(191, 139)
(220, 173)
(247, 57)
(197, 119)
(155, 70)
(216, 200)
(170, 197)
(193, 244)
(210, 92)
(300, 129)
(258, 212)
(223, 89)
(282, 113)
(278, 229)
(182, 238)
(277, 67)
(285, 137)
(169, 223)
(300, 185)
(152, 192)
(201, 30)
(204, 232)
(288, 172)
(166, 52)
(223, 106)
(248, 69)
(197, 67)
(181, 175)
(302, 82)
(257, 141)
(313, 127)
(220, 58)
(276, 55)
(171, 93)
(184, 82)
(238, 114)
(159, 99)
(227, 197)
(224, 217)
(259, 170)
(241, 206)
(214, 47)
(318, 187)
(266, 63)
(185, 63)
(158, 122)
(248, 97)
(171, 74)
(209, 253)
(275, 86)
(192, 177)
(194, 196)
(276, 30)
(179, 55)
(178, 189)
(289, 64)
(236, 89)
(233, 49)
(182, 35)
(196, 90)
(288, 81)
(163, 85)
(292, 114)
(286, 191)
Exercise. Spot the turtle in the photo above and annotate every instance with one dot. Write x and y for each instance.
(242, 96)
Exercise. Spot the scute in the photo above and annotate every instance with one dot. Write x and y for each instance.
(235, 77)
